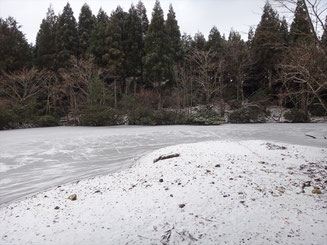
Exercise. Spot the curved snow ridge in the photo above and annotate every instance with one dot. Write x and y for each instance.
(252, 192)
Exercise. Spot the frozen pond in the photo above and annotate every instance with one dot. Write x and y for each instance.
(32, 160)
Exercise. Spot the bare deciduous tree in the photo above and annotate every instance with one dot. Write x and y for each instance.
(208, 74)
(51, 89)
(304, 69)
(77, 81)
(303, 75)
(23, 86)
(184, 86)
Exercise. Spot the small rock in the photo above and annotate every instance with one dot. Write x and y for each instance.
(306, 184)
(171, 195)
(56, 207)
(316, 190)
(73, 197)
(160, 180)
(181, 205)
(97, 191)
(217, 166)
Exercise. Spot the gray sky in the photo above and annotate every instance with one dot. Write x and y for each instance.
(192, 15)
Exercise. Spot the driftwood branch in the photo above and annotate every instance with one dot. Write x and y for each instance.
(166, 157)
(313, 137)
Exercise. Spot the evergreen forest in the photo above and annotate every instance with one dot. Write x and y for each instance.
(127, 68)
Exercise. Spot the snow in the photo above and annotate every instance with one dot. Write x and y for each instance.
(216, 192)
(33, 160)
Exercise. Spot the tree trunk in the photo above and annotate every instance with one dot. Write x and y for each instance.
(126, 86)
(135, 86)
(242, 91)
(115, 93)
(159, 99)
(222, 106)
(270, 79)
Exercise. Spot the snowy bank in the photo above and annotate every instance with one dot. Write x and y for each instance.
(250, 192)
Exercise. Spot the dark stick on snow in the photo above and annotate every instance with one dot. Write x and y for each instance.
(313, 137)
(165, 157)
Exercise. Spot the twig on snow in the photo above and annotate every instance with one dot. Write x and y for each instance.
(186, 234)
(166, 236)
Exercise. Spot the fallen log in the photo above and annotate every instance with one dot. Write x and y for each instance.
(313, 137)
(166, 157)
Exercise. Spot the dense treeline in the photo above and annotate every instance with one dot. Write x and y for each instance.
(123, 68)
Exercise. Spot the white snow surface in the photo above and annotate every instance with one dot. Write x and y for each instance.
(218, 192)
(32, 160)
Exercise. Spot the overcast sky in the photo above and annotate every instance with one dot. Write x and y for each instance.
(192, 15)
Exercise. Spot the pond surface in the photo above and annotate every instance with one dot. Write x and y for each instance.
(32, 160)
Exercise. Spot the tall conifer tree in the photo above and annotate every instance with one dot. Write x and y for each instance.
(98, 37)
(199, 41)
(141, 12)
(174, 35)
(157, 60)
(115, 46)
(15, 52)
(250, 37)
(215, 41)
(300, 28)
(284, 31)
(45, 41)
(86, 24)
(186, 41)
(116, 42)
(267, 47)
(67, 41)
(134, 45)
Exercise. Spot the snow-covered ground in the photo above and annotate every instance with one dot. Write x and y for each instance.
(33, 160)
(220, 192)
